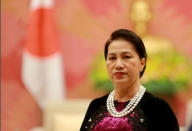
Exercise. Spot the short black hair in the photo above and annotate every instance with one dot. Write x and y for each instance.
(129, 36)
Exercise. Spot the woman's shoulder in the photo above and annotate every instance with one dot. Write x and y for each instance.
(159, 112)
(150, 99)
(152, 104)
(94, 105)
(100, 101)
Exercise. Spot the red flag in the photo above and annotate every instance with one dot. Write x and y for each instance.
(42, 66)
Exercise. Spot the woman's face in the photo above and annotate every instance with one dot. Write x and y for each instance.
(123, 62)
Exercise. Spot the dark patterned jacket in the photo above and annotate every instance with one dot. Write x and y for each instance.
(157, 114)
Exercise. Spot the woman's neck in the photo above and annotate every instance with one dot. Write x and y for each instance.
(126, 92)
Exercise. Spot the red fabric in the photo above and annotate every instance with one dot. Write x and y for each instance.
(42, 38)
(102, 7)
(19, 111)
(181, 7)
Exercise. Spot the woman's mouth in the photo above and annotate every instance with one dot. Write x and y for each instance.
(119, 74)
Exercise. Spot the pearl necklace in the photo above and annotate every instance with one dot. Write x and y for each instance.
(129, 108)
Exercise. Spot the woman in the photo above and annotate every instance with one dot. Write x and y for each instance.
(128, 107)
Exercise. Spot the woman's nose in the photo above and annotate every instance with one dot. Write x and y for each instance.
(119, 64)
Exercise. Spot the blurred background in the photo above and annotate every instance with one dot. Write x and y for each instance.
(52, 59)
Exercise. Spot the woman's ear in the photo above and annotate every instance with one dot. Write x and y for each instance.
(143, 61)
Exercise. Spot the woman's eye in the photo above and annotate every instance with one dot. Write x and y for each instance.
(112, 58)
(126, 57)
